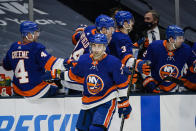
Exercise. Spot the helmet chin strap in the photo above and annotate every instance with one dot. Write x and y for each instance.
(127, 28)
(30, 39)
(173, 44)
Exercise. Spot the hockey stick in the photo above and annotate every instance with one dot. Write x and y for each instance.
(171, 79)
(130, 84)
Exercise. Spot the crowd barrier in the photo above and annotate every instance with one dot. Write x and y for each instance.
(150, 113)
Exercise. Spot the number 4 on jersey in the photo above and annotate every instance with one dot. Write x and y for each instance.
(20, 72)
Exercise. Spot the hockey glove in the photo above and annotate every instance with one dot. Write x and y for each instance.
(128, 72)
(51, 75)
(142, 66)
(150, 85)
(124, 108)
(81, 27)
(139, 42)
(68, 63)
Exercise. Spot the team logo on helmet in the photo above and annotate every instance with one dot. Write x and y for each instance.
(94, 84)
(168, 70)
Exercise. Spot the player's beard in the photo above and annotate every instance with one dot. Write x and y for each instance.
(98, 55)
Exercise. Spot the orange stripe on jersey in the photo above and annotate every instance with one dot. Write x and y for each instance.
(126, 58)
(167, 88)
(49, 63)
(73, 38)
(31, 92)
(192, 69)
(164, 43)
(136, 44)
(76, 78)
(125, 83)
(109, 115)
(86, 99)
(189, 84)
(93, 31)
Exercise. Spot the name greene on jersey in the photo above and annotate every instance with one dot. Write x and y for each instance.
(20, 54)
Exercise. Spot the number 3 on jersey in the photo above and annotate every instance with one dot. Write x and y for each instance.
(20, 72)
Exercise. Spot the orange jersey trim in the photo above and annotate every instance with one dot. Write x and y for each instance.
(31, 92)
(124, 60)
(73, 38)
(93, 31)
(167, 88)
(86, 99)
(109, 115)
(49, 63)
(76, 78)
(125, 83)
(189, 84)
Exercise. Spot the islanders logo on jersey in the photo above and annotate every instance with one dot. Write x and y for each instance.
(94, 84)
(168, 70)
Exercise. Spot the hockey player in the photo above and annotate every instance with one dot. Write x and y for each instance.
(103, 24)
(121, 44)
(29, 60)
(168, 59)
(77, 33)
(190, 79)
(102, 84)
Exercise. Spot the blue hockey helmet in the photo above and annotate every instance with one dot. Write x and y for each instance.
(122, 16)
(99, 39)
(28, 27)
(104, 21)
(174, 31)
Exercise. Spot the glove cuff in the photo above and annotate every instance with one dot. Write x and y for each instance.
(136, 65)
(123, 103)
(148, 80)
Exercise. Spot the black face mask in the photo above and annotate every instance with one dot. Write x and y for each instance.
(147, 25)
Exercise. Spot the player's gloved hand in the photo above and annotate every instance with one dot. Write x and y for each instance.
(51, 75)
(146, 42)
(124, 108)
(150, 84)
(143, 67)
(81, 27)
(68, 63)
(139, 42)
(127, 71)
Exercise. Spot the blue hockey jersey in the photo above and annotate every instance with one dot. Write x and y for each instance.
(28, 62)
(102, 80)
(165, 63)
(121, 46)
(82, 46)
(190, 78)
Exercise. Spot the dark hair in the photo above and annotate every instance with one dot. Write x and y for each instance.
(155, 15)
(114, 10)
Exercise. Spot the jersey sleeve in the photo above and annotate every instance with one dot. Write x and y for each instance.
(125, 51)
(6, 62)
(44, 58)
(121, 80)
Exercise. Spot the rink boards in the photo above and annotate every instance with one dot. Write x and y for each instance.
(150, 113)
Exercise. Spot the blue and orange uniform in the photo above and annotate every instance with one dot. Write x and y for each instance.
(29, 62)
(121, 46)
(103, 81)
(190, 78)
(168, 63)
(82, 46)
